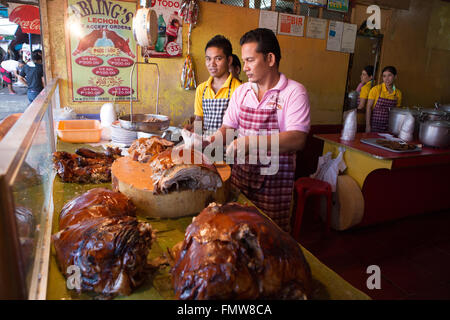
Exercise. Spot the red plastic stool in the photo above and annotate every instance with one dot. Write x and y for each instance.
(306, 187)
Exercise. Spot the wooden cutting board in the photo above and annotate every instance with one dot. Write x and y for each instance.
(133, 179)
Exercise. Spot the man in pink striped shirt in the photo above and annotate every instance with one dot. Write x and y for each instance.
(274, 110)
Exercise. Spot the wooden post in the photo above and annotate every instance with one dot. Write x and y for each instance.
(274, 5)
(246, 3)
(320, 12)
(296, 7)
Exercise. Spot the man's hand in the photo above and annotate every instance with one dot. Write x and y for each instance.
(288, 141)
(232, 148)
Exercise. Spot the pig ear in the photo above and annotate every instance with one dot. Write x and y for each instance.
(128, 40)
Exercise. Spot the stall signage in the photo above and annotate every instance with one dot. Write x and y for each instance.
(338, 5)
(26, 16)
(101, 49)
(320, 3)
(170, 40)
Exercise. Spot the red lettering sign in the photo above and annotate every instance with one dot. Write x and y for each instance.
(120, 62)
(105, 71)
(120, 91)
(89, 61)
(90, 91)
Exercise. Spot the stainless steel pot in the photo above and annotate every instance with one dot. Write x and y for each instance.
(435, 133)
(446, 109)
(432, 114)
(397, 116)
(145, 122)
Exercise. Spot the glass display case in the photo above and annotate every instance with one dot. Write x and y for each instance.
(26, 183)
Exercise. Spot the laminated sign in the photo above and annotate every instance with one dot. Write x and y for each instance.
(170, 40)
(291, 25)
(101, 49)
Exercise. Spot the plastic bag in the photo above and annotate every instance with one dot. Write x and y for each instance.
(407, 128)
(350, 124)
(328, 168)
(65, 113)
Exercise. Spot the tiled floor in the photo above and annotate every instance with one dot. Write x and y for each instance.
(413, 255)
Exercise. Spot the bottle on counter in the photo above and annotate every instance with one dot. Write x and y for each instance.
(161, 42)
(172, 28)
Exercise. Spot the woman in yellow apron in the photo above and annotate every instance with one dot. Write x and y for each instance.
(382, 98)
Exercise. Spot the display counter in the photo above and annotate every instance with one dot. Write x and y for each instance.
(394, 185)
(31, 193)
(328, 284)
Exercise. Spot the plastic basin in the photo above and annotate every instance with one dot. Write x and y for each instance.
(79, 131)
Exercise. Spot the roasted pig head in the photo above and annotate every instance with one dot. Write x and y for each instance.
(110, 252)
(235, 252)
(100, 237)
(178, 168)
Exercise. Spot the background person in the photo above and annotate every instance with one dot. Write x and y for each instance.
(236, 67)
(33, 75)
(381, 98)
(364, 86)
(7, 69)
(212, 96)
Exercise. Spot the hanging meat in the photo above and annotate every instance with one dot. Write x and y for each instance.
(85, 166)
(143, 149)
(234, 252)
(100, 237)
(179, 169)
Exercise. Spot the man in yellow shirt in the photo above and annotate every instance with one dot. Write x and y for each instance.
(213, 95)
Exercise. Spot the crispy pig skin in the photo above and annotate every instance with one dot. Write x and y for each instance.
(97, 202)
(234, 252)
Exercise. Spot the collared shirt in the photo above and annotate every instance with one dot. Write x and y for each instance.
(365, 89)
(382, 92)
(292, 105)
(222, 93)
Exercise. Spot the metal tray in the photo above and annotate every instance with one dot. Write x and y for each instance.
(372, 142)
(138, 123)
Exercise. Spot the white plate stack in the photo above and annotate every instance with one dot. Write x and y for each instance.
(121, 135)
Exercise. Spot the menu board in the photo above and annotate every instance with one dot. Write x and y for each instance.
(290, 24)
(170, 37)
(101, 50)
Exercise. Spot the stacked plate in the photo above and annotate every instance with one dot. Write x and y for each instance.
(120, 135)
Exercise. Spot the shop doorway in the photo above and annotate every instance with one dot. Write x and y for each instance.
(367, 52)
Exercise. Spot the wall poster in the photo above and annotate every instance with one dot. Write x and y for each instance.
(170, 37)
(101, 49)
(290, 24)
